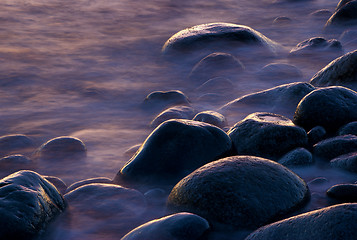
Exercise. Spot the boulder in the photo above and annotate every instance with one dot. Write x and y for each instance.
(297, 157)
(88, 181)
(175, 149)
(341, 3)
(315, 135)
(347, 161)
(349, 128)
(344, 17)
(178, 112)
(330, 223)
(243, 192)
(266, 135)
(279, 72)
(330, 107)
(14, 143)
(336, 146)
(28, 203)
(282, 21)
(217, 85)
(164, 99)
(321, 14)
(340, 72)
(211, 117)
(58, 183)
(343, 192)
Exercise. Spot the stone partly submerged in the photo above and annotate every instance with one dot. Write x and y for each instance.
(345, 16)
(239, 192)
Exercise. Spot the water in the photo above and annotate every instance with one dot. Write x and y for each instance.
(82, 68)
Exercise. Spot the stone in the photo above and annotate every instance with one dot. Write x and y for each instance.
(14, 160)
(28, 203)
(349, 128)
(175, 149)
(178, 112)
(58, 183)
(132, 150)
(165, 99)
(282, 99)
(297, 157)
(339, 72)
(211, 117)
(315, 135)
(266, 135)
(321, 14)
(217, 85)
(62, 148)
(348, 36)
(341, 3)
(318, 181)
(343, 192)
(279, 72)
(180, 226)
(282, 21)
(347, 161)
(216, 64)
(88, 181)
(330, 223)
(336, 146)
(239, 192)
(156, 197)
(344, 17)
(330, 107)
(15, 142)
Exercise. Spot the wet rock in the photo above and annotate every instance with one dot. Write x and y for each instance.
(175, 149)
(164, 99)
(211, 117)
(15, 142)
(180, 226)
(28, 203)
(343, 192)
(335, 222)
(14, 160)
(178, 112)
(347, 161)
(336, 146)
(216, 65)
(156, 197)
(345, 16)
(243, 192)
(330, 107)
(213, 99)
(297, 157)
(349, 128)
(282, 21)
(57, 182)
(266, 135)
(217, 85)
(321, 14)
(348, 36)
(200, 40)
(88, 181)
(318, 181)
(316, 134)
(132, 150)
(62, 148)
(282, 99)
(279, 72)
(341, 72)
(341, 3)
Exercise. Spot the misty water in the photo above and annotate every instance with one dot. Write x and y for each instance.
(82, 68)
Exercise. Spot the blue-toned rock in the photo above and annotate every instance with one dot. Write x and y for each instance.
(279, 72)
(297, 157)
(164, 99)
(14, 143)
(349, 128)
(347, 161)
(344, 17)
(316, 134)
(178, 112)
(88, 181)
(343, 192)
(336, 146)
(211, 117)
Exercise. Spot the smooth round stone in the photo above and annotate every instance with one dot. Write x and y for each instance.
(243, 192)
(321, 14)
(266, 135)
(211, 117)
(88, 181)
(62, 148)
(217, 85)
(330, 107)
(341, 72)
(165, 99)
(57, 182)
(318, 181)
(348, 36)
(28, 203)
(279, 72)
(282, 21)
(282, 99)
(331, 223)
(216, 64)
(343, 17)
(175, 149)
(178, 112)
(16, 159)
(347, 162)
(16, 142)
(336, 146)
(132, 150)
(156, 196)
(341, 3)
(316, 134)
(343, 192)
(180, 226)
(349, 128)
(297, 157)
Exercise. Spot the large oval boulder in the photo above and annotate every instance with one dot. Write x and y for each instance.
(180, 226)
(28, 203)
(330, 107)
(177, 112)
(347, 162)
(345, 16)
(336, 146)
(266, 135)
(243, 192)
(340, 72)
(331, 223)
(279, 72)
(175, 149)
(165, 99)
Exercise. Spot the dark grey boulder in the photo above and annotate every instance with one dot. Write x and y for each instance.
(344, 17)
(62, 148)
(266, 135)
(164, 99)
(243, 192)
(57, 182)
(318, 181)
(279, 72)
(347, 161)
(211, 117)
(340, 72)
(336, 146)
(297, 157)
(16, 142)
(178, 112)
(315, 135)
(88, 181)
(343, 192)
(28, 203)
(216, 64)
(180, 226)
(175, 149)
(156, 197)
(341, 3)
(331, 223)
(321, 14)
(330, 107)
(349, 128)
(282, 99)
